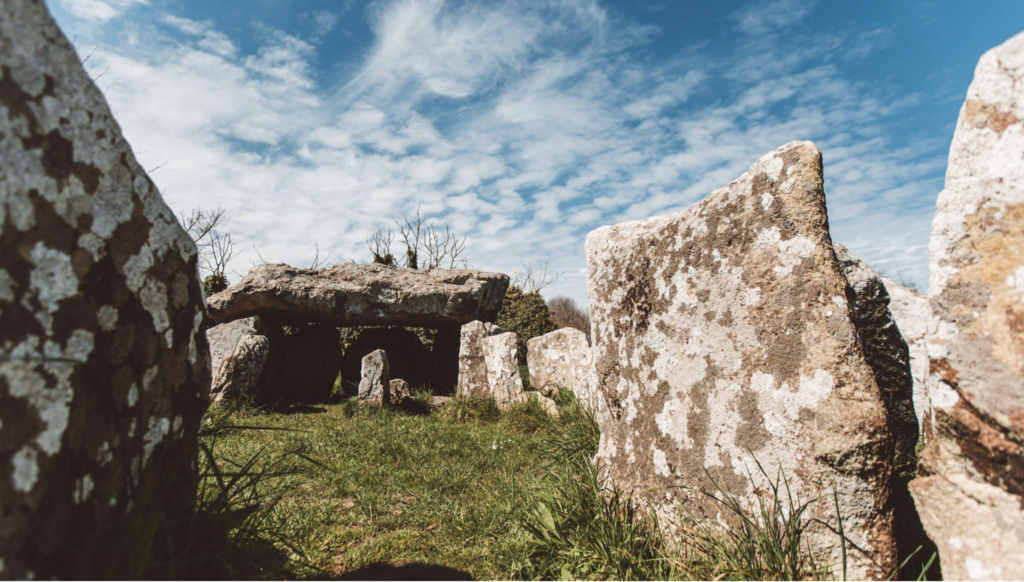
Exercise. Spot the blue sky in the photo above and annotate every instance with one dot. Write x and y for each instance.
(526, 124)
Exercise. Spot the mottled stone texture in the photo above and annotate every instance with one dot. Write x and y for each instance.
(354, 295)
(562, 359)
(104, 370)
(399, 390)
(911, 312)
(503, 380)
(970, 485)
(375, 385)
(722, 335)
(472, 381)
(886, 350)
(238, 354)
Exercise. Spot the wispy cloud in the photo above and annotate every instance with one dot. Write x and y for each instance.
(524, 125)
(99, 10)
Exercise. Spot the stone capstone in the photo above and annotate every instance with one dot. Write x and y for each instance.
(723, 339)
(911, 312)
(238, 354)
(563, 360)
(363, 295)
(375, 385)
(970, 485)
(472, 381)
(504, 383)
(886, 351)
(104, 369)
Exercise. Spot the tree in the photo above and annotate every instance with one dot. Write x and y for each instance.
(526, 314)
(216, 248)
(426, 245)
(566, 313)
(532, 280)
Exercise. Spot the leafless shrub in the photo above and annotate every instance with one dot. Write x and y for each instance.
(216, 249)
(426, 246)
(380, 247)
(565, 312)
(532, 280)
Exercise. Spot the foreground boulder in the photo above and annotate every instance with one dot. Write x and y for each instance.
(911, 312)
(472, 382)
(562, 360)
(723, 339)
(104, 369)
(886, 350)
(353, 295)
(970, 485)
(375, 385)
(238, 355)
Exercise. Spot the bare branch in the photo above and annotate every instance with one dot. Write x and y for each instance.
(262, 261)
(221, 251)
(531, 281)
(201, 222)
(317, 261)
(380, 247)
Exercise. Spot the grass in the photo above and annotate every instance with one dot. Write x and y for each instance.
(469, 492)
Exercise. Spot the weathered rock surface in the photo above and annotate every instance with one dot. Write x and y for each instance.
(886, 351)
(375, 385)
(305, 368)
(722, 335)
(351, 295)
(399, 390)
(472, 366)
(911, 312)
(408, 357)
(104, 369)
(503, 380)
(970, 485)
(563, 359)
(238, 353)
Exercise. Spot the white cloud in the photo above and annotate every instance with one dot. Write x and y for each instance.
(98, 10)
(522, 124)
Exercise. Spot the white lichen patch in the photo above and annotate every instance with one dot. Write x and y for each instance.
(106, 316)
(26, 469)
(133, 395)
(673, 422)
(158, 428)
(197, 322)
(83, 488)
(766, 200)
(7, 285)
(661, 463)
(52, 280)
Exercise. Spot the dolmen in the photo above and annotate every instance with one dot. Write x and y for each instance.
(301, 309)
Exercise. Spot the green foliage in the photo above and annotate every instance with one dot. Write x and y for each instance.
(384, 259)
(527, 315)
(215, 283)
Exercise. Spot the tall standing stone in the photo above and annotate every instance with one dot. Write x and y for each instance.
(375, 384)
(970, 485)
(722, 336)
(104, 369)
(504, 383)
(472, 382)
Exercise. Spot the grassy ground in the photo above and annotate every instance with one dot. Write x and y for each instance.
(369, 490)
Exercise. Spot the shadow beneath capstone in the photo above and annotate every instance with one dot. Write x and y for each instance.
(413, 571)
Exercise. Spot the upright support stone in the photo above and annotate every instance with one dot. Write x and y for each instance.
(238, 353)
(970, 485)
(504, 383)
(375, 385)
(472, 381)
(104, 368)
(563, 359)
(724, 344)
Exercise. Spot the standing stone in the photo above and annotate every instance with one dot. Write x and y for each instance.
(399, 390)
(407, 356)
(104, 369)
(722, 336)
(503, 380)
(238, 354)
(563, 359)
(910, 311)
(307, 365)
(375, 385)
(472, 366)
(970, 485)
(886, 350)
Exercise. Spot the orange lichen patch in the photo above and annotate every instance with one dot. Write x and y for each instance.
(998, 242)
(981, 114)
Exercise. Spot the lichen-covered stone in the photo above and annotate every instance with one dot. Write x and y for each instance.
(352, 295)
(238, 353)
(563, 360)
(375, 385)
(472, 381)
(911, 312)
(503, 380)
(399, 390)
(886, 351)
(970, 485)
(722, 336)
(104, 369)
